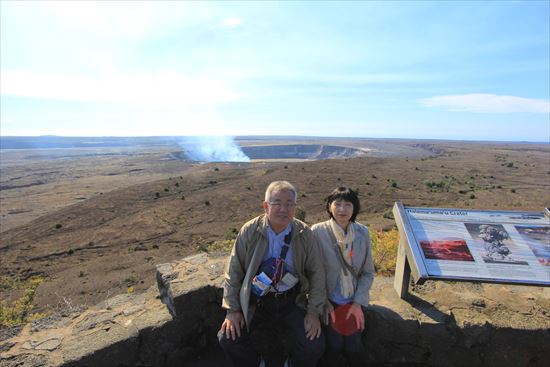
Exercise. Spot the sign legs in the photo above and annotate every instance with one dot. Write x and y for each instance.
(402, 271)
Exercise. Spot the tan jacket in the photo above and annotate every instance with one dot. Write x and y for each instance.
(362, 259)
(246, 257)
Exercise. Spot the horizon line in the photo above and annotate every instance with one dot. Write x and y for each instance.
(272, 136)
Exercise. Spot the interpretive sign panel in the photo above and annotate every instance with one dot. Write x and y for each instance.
(475, 245)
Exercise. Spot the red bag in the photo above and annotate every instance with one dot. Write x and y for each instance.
(340, 324)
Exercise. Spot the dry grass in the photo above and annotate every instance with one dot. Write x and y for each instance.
(384, 250)
(19, 311)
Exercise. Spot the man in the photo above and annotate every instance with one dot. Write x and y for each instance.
(276, 254)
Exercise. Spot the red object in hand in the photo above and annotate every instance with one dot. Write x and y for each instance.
(340, 324)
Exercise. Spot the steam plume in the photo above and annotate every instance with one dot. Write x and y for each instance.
(213, 149)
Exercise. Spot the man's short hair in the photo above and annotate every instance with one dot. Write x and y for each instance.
(280, 186)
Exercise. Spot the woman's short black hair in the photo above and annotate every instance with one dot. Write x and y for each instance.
(347, 194)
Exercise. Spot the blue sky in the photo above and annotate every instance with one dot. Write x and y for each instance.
(469, 70)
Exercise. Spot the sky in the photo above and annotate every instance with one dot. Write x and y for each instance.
(461, 70)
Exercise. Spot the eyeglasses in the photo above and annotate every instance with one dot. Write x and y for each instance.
(286, 206)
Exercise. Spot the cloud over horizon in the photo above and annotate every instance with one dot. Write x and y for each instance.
(155, 88)
(487, 103)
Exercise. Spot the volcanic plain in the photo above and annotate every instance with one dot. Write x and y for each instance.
(94, 222)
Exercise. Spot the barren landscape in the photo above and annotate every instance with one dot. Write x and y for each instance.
(95, 221)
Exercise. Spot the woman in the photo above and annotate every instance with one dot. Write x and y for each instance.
(346, 249)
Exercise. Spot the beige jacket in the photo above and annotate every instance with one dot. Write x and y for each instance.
(362, 259)
(246, 258)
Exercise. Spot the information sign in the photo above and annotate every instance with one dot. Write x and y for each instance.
(472, 245)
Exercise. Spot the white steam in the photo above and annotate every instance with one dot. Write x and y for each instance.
(213, 149)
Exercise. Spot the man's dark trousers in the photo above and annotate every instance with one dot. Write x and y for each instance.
(278, 324)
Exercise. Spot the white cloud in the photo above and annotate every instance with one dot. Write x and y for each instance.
(232, 22)
(121, 18)
(487, 103)
(159, 88)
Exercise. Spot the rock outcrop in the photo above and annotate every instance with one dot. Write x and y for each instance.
(442, 324)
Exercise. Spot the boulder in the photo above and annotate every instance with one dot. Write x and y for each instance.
(175, 324)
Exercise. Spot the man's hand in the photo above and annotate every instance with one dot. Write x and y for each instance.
(232, 325)
(312, 326)
(357, 313)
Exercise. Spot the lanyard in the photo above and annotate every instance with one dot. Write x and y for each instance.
(279, 262)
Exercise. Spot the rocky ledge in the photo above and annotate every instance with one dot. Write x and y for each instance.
(442, 324)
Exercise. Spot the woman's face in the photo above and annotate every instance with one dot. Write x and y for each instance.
(341, 210)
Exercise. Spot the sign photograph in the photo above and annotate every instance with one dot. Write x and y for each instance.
(492, 246)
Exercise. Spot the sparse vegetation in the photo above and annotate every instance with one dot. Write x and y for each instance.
(435, 186)
(216, 246)
(388, 214)
(300, 213)
(19, 311)
(384, 250)
(58, 225)
(125, 215)
(231, 233)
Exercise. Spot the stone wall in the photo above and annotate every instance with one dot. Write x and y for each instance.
(443, 324)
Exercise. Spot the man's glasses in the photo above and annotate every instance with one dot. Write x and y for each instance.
(278, 205)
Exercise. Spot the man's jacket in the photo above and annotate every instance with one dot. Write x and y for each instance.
(247, 255)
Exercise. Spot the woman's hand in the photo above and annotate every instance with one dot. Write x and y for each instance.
(357, 312)
(328, 311)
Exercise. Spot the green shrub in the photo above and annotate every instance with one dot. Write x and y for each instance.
(216, 246)
(231, 233)
(300, 213)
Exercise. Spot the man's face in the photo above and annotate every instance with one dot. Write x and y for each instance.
(280, 209)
